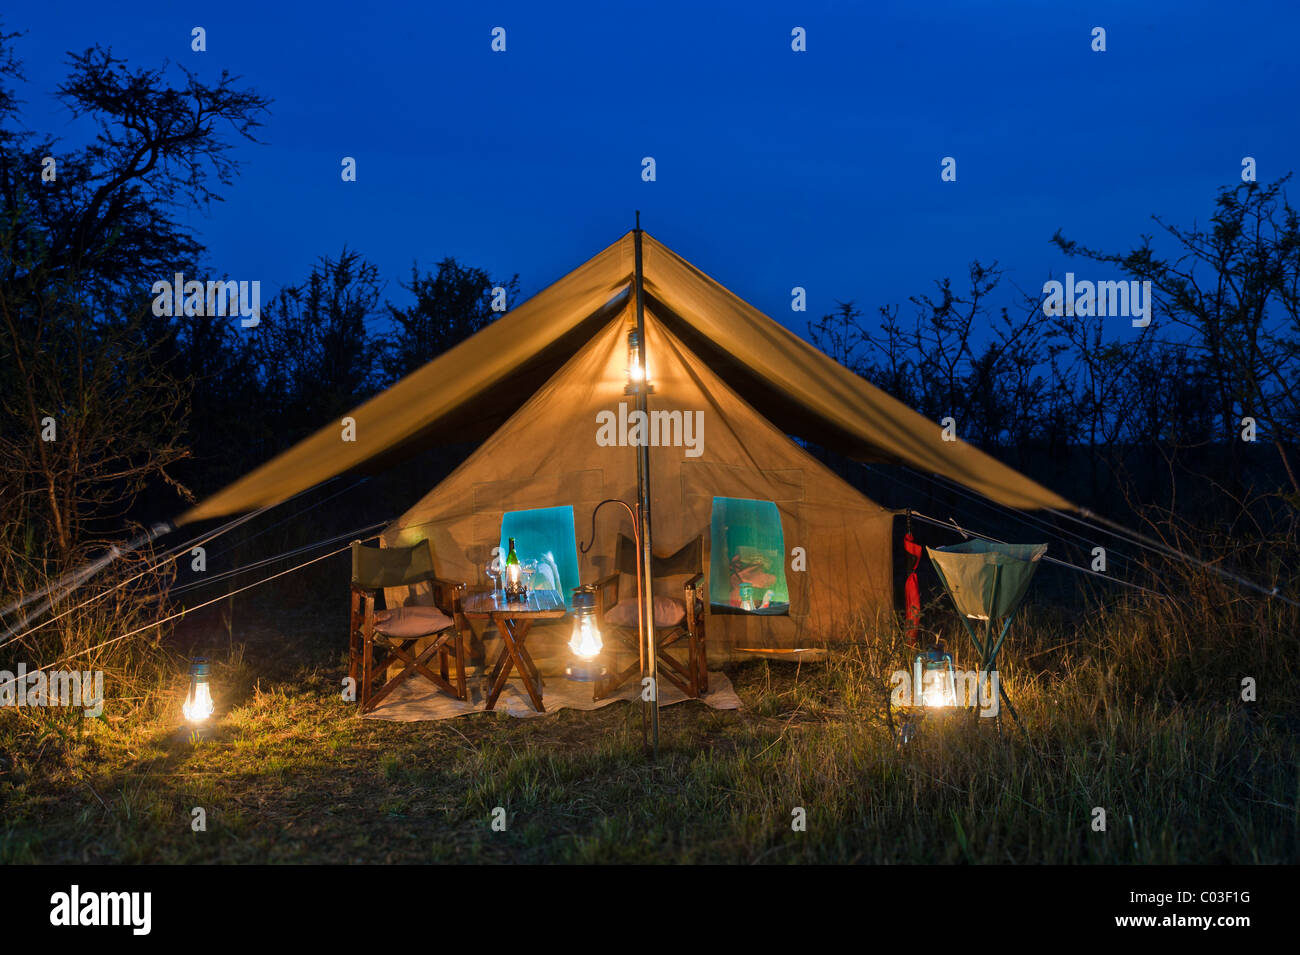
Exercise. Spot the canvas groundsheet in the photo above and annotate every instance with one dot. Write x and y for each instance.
(418, 700)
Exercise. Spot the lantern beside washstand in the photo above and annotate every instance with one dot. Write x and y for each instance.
(934, 684)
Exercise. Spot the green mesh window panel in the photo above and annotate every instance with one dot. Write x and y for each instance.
(747, 560)
(546, 535)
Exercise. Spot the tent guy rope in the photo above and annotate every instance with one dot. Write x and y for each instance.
(87, 571)
(1028, 518)
(951, 524)
(182, 613)
(215, 578)
(1102, 526)
(284, 555)
(1150, 543)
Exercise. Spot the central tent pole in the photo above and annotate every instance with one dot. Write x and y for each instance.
(650, 658)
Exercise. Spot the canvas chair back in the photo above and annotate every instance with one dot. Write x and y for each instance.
(375, 568)
(969, 571)
(685, 561)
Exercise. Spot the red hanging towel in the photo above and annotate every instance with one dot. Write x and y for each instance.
(912, 591)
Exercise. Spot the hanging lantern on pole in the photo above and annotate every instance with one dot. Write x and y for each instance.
(585, 644)
(637, 374)
(198, 701)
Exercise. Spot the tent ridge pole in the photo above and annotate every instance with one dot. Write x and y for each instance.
(650, 659)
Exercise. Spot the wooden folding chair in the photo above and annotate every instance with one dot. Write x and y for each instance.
(394, 633)
(678, 623)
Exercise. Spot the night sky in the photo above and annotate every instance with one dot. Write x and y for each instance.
(775, 168)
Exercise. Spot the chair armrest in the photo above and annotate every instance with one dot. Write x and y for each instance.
(363, 607)
(602, 586)
(693, 597)
(447, 591)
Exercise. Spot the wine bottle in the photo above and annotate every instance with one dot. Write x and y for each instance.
(512, 573)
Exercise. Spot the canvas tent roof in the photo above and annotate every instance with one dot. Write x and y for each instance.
(548, 455)
(457, 396)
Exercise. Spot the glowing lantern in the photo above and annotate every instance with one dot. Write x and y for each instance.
(636, 375)
(585, 644)
(934, 679)
(198, 702)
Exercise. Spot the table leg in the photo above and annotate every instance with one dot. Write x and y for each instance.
(521, 635)
(524, 662)
(504, 629)
(495, 672)
(501, 671)
(515, 655)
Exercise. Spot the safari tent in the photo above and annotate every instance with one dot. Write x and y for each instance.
(544, 389)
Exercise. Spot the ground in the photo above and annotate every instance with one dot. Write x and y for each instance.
(288, 773)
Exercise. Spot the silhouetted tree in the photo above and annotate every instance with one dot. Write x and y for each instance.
(958, 357)
(316, 355)
(450, 305)
(79, 346)
(1234, 287)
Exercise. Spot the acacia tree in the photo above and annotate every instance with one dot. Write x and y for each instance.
(450, 305)
(315, 354)
(958, 357)
(1225, 346)
(92, 414)
(1232, 288)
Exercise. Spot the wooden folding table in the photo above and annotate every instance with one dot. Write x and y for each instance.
(513, 621)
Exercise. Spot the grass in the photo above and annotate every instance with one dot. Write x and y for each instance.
(1136, 711)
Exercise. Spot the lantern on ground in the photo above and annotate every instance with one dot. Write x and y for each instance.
(585, 643)
(198, 701)
(933, 679)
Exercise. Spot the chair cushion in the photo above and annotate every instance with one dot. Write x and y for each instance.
(668, 612)
(411, 621)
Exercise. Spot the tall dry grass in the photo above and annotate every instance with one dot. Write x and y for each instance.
(108, 625)
(1133, 707)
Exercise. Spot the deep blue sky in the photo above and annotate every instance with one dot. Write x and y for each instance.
(775, 168)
